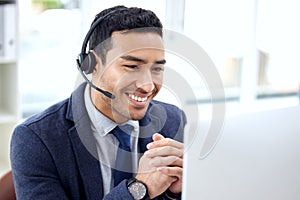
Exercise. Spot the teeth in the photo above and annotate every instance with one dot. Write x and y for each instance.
(140, 99)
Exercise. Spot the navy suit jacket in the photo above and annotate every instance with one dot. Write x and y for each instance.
(53, 154)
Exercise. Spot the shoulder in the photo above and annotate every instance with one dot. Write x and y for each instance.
(51, 113)
(51, 121)
(171, 111)
(172, 119)
(59, 112)
(167, 106)
(42, 133)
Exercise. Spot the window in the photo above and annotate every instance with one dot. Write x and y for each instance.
(49, 44)
(253, 43)
(278, 43)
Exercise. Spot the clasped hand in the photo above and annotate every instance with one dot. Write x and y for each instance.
(160, 168)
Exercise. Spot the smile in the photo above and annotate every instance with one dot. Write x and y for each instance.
(136, 98)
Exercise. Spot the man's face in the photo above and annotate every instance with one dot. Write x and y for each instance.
(133, 73)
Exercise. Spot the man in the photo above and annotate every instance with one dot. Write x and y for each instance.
(71, 150)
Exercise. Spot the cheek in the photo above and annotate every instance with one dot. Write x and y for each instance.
(124, 80)
(108, 78)
(158, 80)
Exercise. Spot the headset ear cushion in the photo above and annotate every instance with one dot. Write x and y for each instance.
(89, 63)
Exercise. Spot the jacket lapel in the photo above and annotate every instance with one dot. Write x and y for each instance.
(84, 145)
(150, 124)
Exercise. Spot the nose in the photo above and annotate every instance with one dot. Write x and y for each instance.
(145, 82)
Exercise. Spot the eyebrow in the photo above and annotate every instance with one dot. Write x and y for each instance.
(136, 59)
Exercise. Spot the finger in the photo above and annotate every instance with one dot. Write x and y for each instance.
(165, 142)
(171, 171)
(178, 163)
(166, 161)
(164, 151)
(157, 136)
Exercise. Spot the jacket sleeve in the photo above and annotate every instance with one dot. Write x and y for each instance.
(34, 172)
(119, 192)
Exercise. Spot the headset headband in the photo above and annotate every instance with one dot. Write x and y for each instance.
(88, 66)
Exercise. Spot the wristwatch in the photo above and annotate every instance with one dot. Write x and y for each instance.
(137, 189)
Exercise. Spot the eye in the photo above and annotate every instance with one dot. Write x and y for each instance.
(131, 66)
(158, 69)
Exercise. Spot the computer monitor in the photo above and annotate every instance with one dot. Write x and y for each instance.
(256, 158)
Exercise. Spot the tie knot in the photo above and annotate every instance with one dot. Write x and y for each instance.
(122, 133)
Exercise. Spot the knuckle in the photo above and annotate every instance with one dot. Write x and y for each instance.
(174, 151)
(175, 159)
(168, 141)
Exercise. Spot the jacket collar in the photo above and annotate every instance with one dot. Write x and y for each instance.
(153, 122)
(84, 145)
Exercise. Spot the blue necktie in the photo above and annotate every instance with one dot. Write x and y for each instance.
(123, 165)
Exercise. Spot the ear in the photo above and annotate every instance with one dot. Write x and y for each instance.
(97, 63)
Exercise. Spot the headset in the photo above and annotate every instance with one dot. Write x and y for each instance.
(86, 62)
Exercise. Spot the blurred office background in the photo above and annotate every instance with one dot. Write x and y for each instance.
(254, 44)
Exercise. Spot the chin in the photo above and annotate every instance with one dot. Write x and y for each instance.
(137, 115)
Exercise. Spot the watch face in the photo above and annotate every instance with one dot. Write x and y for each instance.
(138, 190)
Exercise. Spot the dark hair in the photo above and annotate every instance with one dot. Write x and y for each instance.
(121, 18)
